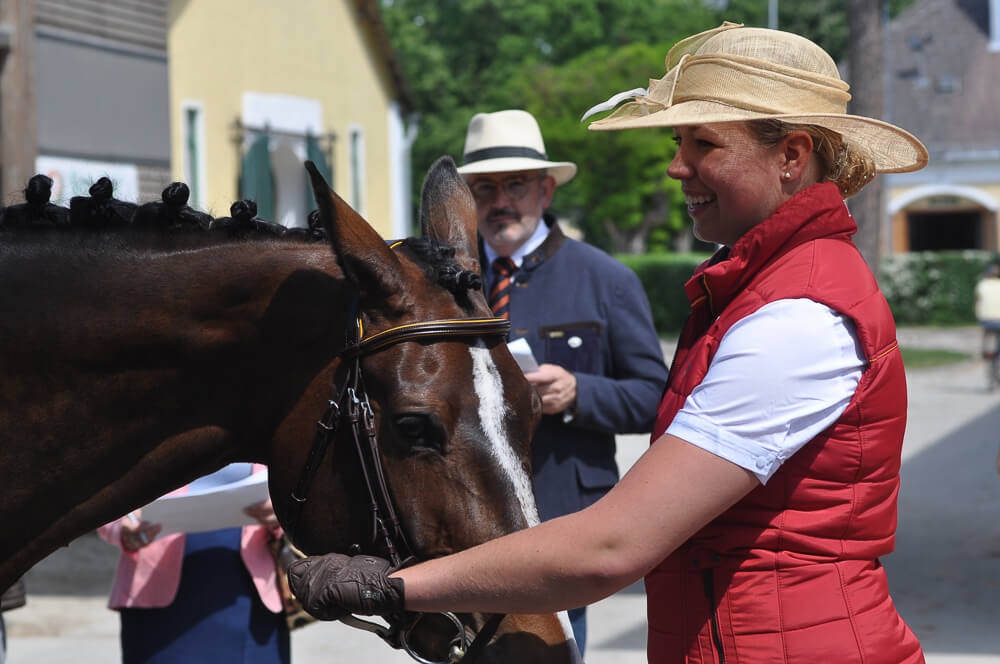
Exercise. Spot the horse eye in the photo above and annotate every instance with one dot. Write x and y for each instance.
(418, 430)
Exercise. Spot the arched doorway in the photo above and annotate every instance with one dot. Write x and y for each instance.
(943, 217)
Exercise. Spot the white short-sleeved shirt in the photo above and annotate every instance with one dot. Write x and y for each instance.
(779, 378)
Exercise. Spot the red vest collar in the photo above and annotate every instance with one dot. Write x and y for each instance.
(818, 211)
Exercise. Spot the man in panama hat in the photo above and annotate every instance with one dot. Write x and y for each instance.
(583, 313)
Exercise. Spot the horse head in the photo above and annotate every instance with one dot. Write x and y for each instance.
(452, 413)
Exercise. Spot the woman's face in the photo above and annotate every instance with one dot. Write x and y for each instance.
(730, 181)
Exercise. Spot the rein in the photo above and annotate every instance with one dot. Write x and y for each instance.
(351, 404)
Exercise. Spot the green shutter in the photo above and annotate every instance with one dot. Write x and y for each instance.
(315, 154)
(257, 179)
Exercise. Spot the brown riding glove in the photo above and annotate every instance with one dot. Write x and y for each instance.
(334, 585)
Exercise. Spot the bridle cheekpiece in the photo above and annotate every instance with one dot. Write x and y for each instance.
(351, 403)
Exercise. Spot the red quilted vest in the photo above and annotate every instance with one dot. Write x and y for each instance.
(791, 573)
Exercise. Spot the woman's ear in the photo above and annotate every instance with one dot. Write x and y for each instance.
(797, 153)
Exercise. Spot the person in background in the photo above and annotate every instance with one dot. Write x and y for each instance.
(12, 598)
(987, 309)
(760, 511)
(583, 313)
(207, 597)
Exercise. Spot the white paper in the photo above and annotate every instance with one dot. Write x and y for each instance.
(208, 509)
(521, 351)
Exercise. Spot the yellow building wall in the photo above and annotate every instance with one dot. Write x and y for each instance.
(317, 49)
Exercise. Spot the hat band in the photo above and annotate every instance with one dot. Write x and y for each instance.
(728, 80)
(502, 152)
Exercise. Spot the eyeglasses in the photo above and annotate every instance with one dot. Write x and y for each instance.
(486, 191)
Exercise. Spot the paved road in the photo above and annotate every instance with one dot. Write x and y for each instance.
(944, 575)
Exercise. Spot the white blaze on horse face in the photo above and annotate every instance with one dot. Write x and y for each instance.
(492, 409)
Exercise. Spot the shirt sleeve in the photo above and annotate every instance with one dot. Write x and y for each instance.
(779, 378)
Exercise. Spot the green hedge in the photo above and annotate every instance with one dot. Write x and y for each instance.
(663, 276)
(923, 288)
(933, 287)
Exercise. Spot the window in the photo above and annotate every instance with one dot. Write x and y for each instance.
(193, 132)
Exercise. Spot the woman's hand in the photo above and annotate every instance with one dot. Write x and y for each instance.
(334, 585)
(135, 533)
(264, 513)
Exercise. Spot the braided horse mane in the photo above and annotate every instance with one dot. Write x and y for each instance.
(102, 212)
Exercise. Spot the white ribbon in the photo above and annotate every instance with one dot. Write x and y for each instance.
(614, 101)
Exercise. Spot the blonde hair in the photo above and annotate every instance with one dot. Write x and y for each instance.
(840, 162)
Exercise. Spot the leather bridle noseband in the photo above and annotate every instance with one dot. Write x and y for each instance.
(351, 404)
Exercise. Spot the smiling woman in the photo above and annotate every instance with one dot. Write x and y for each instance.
(729, 179)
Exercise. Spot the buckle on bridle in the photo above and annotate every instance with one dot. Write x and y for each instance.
(457, 649)
(395, 636)
(330, 417)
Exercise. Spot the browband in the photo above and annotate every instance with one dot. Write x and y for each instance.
(460, 327)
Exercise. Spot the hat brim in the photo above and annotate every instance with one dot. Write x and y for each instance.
(561, 171)
(892, 149)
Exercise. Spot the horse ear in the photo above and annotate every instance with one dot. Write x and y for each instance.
(448, 212)
(361, 252)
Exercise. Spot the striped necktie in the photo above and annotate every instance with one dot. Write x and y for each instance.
(503, 270)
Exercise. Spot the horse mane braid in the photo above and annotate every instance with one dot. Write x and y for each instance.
(101, 211)
(36, 211)
(439, 263)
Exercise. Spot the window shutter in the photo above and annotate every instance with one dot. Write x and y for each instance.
(315, 154)
(257, 179)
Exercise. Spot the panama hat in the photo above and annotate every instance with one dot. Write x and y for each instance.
(732, 73)
(509, 141)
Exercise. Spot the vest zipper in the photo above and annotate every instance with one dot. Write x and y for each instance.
(708, 577)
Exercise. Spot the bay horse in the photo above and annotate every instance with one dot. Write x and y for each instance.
(133, 362)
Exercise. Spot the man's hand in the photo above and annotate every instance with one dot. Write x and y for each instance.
(334, 585)
(555, 385)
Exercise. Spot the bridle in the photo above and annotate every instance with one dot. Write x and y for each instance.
(351, 404)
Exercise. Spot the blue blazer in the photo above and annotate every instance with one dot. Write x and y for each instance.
(586, 311)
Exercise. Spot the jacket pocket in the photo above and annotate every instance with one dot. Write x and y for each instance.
(575, 347)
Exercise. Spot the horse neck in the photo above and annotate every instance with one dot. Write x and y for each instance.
(130, 373)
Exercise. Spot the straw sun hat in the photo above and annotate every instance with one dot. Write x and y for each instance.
(509, 141)
(734, 73)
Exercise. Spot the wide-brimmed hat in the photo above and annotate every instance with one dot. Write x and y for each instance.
(509, 141)
(732, 73)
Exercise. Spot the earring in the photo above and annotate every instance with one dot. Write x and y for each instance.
(788, 175)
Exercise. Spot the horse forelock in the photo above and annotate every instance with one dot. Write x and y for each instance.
(437, 260)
